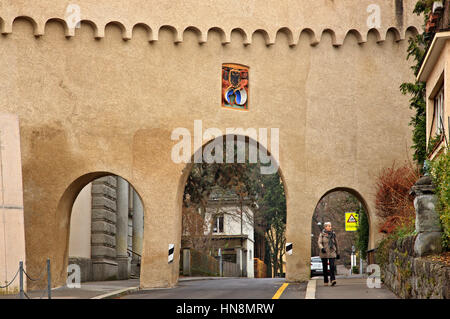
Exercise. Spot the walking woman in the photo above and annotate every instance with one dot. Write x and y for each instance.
(328, 246)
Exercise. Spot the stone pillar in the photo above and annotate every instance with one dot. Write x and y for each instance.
(186, 262)
(130, 231)
(138, 233)
(239, 261)
(103, 232)
(122, 228)
(244, 263)
(12, 230)
(428, 226)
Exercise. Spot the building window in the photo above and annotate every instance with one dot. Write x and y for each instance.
(218, 224)
(439, 111)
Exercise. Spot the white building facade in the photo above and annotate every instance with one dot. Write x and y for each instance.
(233, 230)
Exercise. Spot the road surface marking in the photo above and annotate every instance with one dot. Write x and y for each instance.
(280, 291)
(117, 293)
(311, 289)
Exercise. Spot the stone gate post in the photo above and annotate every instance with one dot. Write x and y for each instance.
(428, 226)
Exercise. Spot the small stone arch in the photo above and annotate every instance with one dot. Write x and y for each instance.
(97, 33)
(395, 32)
(201, 36)
(126, 33)
(364, 203)
(176, 33)
(353, 32)
(246, 39)
(376, 33)
(31, 21)
(312, 36)
(146, 27)
(411, 30)
(224, 36)
(64, 210)
(63, 25)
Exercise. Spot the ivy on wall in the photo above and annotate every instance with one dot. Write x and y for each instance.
(416, 50)
(362, 234)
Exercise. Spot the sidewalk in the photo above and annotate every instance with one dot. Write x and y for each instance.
(88, 290)
(96, 290)
(350, 287)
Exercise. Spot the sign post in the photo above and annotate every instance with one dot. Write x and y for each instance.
(220, 263)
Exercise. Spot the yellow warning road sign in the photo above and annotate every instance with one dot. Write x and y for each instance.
(351, 221)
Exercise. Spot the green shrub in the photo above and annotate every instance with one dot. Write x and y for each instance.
(405, 230)
(362, 233)
(440, 173)
(402, 231)
(382, 252)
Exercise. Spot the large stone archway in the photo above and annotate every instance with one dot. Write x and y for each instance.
(243, 143)
(106, 97)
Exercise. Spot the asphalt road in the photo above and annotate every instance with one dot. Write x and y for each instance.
(226, 288)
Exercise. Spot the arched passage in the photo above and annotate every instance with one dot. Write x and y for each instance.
(230, 217)
(336, 206)
(103, 229)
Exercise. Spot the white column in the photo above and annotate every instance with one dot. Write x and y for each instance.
(138, 225)
(122, 227)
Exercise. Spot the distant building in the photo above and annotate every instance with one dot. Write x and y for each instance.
(230, 230)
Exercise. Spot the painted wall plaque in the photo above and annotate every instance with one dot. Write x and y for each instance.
(235, 86)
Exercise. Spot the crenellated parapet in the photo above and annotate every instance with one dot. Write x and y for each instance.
(339, 18)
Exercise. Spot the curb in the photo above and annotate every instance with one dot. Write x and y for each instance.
(117, 293)
(311, 289)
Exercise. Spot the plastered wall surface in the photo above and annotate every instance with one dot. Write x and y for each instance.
(12, 233)
(80, 222)
(104, 99)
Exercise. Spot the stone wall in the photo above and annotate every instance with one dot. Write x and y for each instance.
(412, 277)
(103, 239)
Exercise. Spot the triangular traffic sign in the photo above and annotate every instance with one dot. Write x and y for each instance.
(351, 219)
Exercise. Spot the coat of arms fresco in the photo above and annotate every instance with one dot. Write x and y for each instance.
(235, 86)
